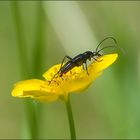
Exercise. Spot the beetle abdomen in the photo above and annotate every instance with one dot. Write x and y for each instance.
(67, 67)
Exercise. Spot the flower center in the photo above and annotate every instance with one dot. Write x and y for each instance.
(56, 80)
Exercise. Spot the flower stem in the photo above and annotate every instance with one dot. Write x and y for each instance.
(70, 118)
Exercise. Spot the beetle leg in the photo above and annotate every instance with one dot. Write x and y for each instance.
(83, 67)
(63, 61)
(68, 57)
(96, 59)
(86, 68)
(61, 65)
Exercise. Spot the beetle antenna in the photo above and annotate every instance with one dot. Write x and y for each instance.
(105, 48)
(104, 40)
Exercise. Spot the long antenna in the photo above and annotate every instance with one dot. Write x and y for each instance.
(105, 48)
(104, 40)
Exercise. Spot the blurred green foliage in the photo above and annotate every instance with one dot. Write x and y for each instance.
(109, 108)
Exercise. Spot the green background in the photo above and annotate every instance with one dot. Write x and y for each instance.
(109, 108)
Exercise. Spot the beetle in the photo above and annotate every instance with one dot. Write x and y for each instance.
(81, 59)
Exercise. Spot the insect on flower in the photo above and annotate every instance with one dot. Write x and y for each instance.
(65, 78)
(74, 81)
(81, 59)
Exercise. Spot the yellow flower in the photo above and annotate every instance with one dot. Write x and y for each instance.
(75, 80)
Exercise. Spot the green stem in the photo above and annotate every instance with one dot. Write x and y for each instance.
(29, 106)
(70, 118)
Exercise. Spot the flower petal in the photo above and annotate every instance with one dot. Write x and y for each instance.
(79, 84)
(103, 62)
(33, 88)
(27, 85)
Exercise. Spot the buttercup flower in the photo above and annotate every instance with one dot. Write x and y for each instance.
(75, 80)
